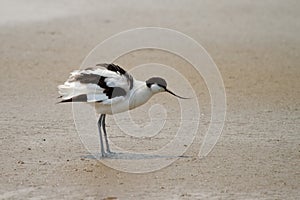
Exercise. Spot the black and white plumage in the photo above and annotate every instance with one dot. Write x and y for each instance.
(111, 90)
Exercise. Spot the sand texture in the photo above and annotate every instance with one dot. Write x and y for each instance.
(256, 46)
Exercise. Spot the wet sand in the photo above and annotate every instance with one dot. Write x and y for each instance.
(256, 46)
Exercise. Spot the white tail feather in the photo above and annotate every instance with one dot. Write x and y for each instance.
(70, 90)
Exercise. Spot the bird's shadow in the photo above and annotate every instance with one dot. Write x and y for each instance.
(131, 156)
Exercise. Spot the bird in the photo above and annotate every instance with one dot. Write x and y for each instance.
(111, 90)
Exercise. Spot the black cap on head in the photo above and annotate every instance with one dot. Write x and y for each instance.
(162, 83)
(159, 81)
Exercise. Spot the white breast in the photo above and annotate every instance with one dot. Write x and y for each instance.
(136, 97)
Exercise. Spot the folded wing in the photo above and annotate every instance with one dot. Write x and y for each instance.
(105, 83)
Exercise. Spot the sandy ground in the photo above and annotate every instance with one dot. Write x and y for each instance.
(256, 46)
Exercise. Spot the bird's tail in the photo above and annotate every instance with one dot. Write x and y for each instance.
(67, 92)
(80, 92)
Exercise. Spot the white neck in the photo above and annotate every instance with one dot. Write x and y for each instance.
(139, 94)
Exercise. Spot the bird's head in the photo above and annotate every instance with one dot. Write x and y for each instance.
(157, 84)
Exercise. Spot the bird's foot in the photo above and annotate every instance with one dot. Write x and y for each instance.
(103, 155)
(108, 151)
(107, 154)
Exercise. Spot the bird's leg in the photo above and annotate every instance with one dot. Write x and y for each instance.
(100, 134)
(105, 135)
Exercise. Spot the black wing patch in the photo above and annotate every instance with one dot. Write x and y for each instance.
(119, 70)
(113, 67)
(114, 92)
